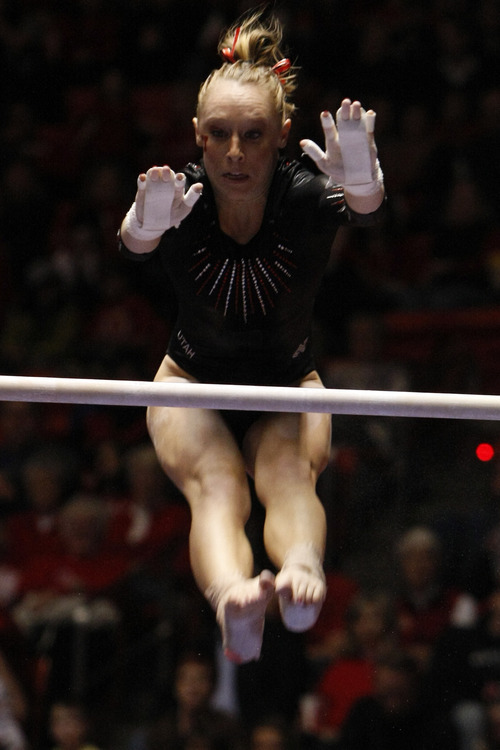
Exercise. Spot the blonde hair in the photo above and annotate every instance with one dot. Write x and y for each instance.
(256, 51)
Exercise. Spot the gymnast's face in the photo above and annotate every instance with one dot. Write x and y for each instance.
(240, 133)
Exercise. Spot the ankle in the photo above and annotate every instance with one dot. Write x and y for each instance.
(218, 589)
(306, 557)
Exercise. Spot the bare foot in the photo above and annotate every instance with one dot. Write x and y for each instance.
(241, 610)
(301, 591)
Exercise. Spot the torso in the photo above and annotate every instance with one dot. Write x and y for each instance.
(246, 292)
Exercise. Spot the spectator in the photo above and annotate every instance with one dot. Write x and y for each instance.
(491, 703)
(425, 605)
(14, 709)
(485, 568)
(12, 736)
(326, 640)
(191, 712)
(150, 527)
(370, 631)
(466, 661)
(68, 608)
(69, 726)
(395, 716)
(24, 193)
(377, 446)
(47, 477)
(123, 326)
(20, 429)
(151, 521)
(42, 332)
(272, 733)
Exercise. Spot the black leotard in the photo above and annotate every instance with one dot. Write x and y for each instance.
(245, 311)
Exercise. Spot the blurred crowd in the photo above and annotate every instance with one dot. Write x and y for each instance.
(104, 638)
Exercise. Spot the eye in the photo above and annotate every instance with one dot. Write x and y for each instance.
(218, 133)
(253, 135)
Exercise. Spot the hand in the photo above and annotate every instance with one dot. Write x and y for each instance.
(160, 203)
(350, 158)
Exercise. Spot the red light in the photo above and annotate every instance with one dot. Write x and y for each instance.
(485, 452)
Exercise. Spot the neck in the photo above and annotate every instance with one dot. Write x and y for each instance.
(241, 221)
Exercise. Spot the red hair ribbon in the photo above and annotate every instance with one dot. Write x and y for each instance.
(281, 67)
(227, 52)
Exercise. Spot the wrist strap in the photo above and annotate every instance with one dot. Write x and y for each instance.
(368, 188)
(136, 230)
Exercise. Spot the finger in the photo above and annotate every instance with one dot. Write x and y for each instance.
(140, 197)
(179, 184)
(329, 129)
(193, 194)
(356, 110)
(370, 121)
(167, 174)
(312, 150)
(153, 174)
(344, 111)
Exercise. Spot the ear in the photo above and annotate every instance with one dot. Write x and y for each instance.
(285, 132)
(198, 137)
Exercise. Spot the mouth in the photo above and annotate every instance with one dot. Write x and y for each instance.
(235, 176)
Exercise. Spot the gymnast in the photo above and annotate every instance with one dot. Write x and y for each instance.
(244, 238)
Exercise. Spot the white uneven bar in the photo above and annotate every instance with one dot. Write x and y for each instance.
(249, 398)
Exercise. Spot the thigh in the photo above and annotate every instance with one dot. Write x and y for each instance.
(192, 444)
(289, 444)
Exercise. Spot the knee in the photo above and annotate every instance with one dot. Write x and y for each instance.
(224, 484)
(219, 491)
(284, 469)
(296, 455)
(155, 416)
(322, 460)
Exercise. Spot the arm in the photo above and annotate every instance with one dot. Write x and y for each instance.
(350, 158)
(160, 204)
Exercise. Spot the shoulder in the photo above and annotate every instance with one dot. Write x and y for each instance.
(298, 179)
(195, 172)
(296, 190)
(296, 185)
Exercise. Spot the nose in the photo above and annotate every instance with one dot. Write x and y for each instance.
(235, 152)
